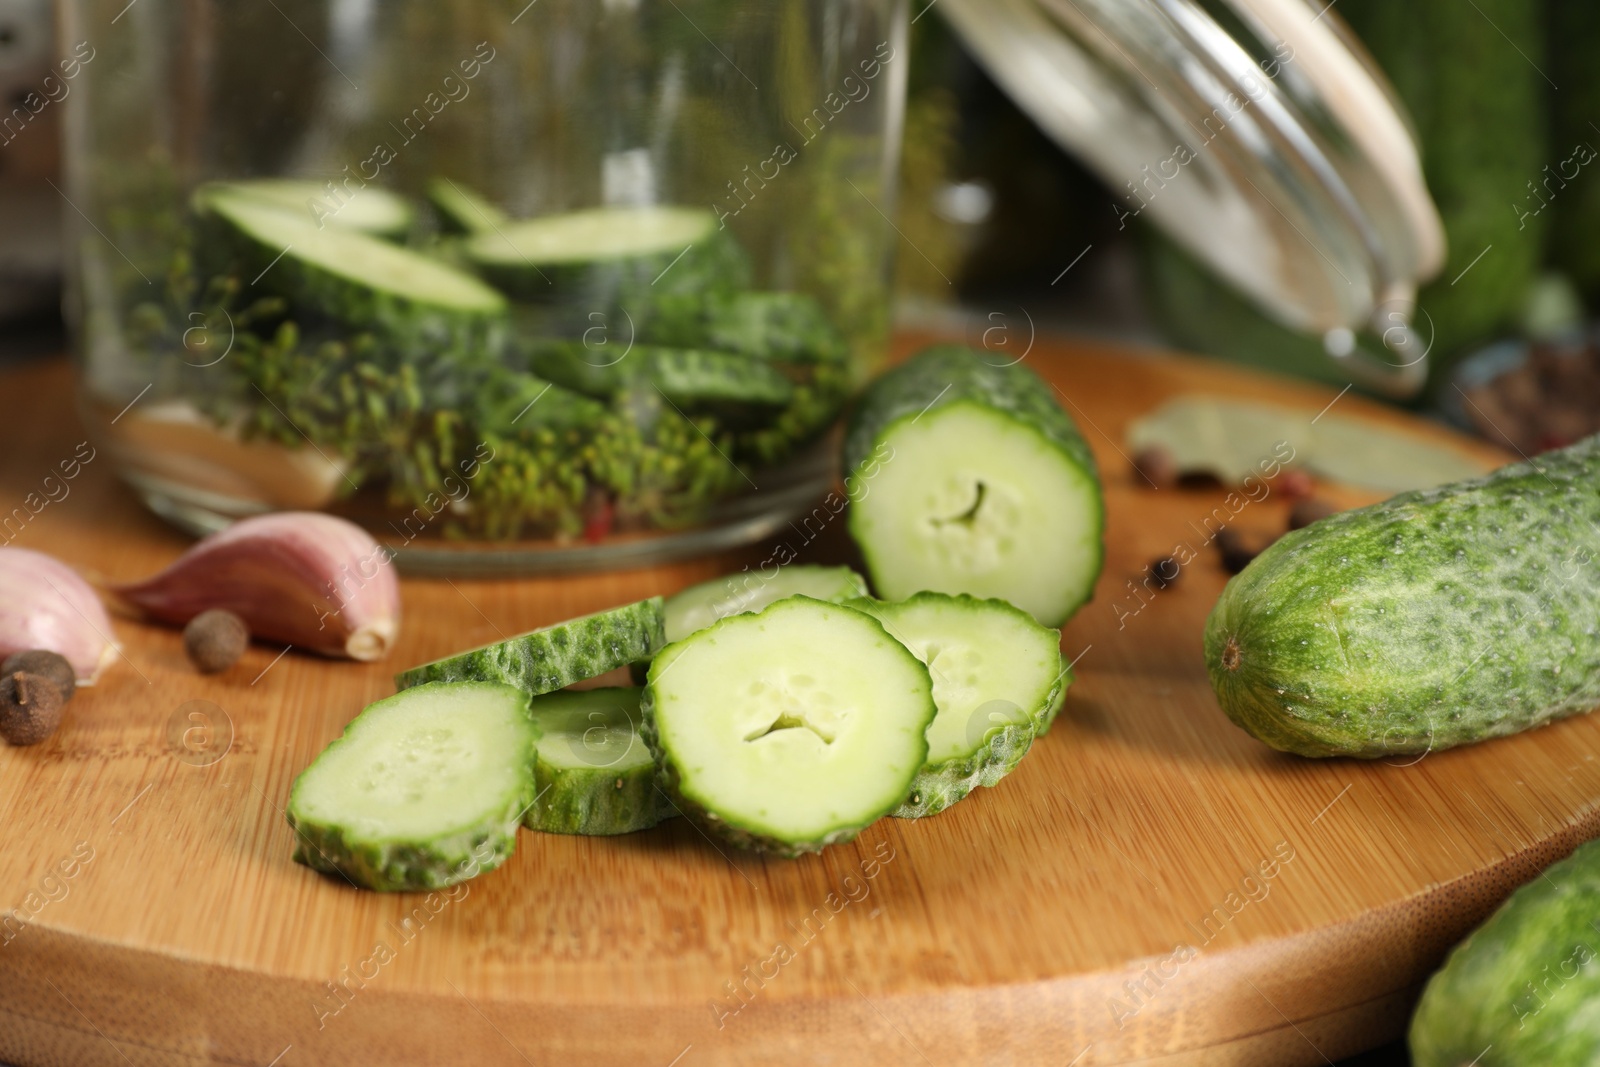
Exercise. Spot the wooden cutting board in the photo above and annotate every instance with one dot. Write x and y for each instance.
(1150, 886)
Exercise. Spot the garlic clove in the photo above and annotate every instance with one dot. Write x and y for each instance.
(301, 577)
(44, 604)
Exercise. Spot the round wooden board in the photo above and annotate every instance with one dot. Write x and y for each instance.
(1150, 886)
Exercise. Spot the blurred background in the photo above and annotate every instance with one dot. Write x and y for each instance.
(1004, 233)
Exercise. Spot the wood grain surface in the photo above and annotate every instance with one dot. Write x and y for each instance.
(1150, 886)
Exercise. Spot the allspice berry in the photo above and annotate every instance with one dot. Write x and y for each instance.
(1236, 550)
(30, 707)
(1306, 512)
(1157, 466)
(215, 640)
(52, 665)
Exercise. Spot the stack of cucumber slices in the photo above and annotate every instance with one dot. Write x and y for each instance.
(788, 713)
(782, 709)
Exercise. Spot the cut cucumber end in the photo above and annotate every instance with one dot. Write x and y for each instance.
(972, 501)
(656, 261)
(594, 773)
(790, 729)
(423, 789)
(542, 661)
(367, 209)
(996, 677)
(595, 234)
(462, 210)
(699, 606)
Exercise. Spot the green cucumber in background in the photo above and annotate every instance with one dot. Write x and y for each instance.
(1478, 106)
(1434, 619)
(417, 304)
(1523, 990)
(1573, 33)
(1469, 76)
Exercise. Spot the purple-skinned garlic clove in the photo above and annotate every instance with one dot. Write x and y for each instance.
(303, 578)
(44, 604)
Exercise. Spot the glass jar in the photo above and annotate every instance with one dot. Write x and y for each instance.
(1258, 135)
(567, 284)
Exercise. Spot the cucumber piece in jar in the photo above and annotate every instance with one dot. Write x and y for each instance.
(418, 303)
(594, 774)
(369, 209)
(516, 404)
(786, 327)
(980, 484)
(542, 661)
(690, 378)
(461, 210)
(789, 730)
(998, 680)
(422, 790)
(636, 254)
(698, 606)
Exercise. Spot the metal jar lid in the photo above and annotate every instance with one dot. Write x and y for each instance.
(1258, 134)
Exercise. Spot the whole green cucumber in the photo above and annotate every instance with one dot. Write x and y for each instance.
(1522, 989)
(1433, 619)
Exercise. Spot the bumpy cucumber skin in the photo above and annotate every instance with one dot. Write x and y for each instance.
(688, 377)
(415, 326)
(1521, 989)
(669, 779)
(597, 802)
(786, 327)
(1434, 619)
(950, 374)
(553, 658)
(1053, 708)
(939, 785)
(398, 866)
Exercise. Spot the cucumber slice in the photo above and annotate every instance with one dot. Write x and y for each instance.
(542, 661)
(417, 302)
(697, 607)
(369, 210)
(997, 680)
(690, 378)
(788, 327)
(789, 730)
(463, 211)
(594, 773)
(980, 484)
(642, 252)
(422, 790)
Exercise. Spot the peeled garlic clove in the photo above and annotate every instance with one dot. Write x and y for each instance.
(45, 604)
(300, 577)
